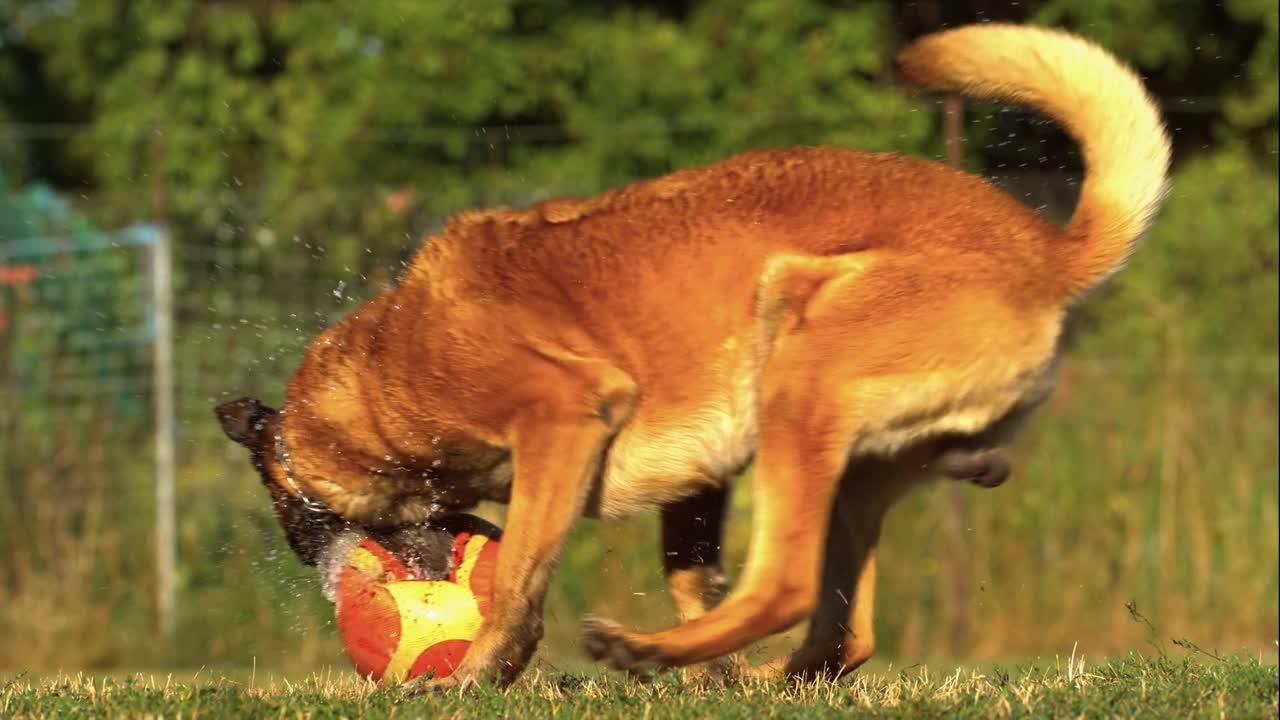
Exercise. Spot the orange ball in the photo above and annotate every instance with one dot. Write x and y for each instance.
(395, 627)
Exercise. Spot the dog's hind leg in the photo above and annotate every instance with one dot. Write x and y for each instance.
(692, 529)
(796, 475)
(804, 438)
(841, 633)
(843, 376)
(691, 534)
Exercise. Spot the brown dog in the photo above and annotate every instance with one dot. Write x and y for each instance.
(840, 318)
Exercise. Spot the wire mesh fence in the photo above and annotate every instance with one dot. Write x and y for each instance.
(78, 331)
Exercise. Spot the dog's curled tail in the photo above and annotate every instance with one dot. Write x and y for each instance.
(1100, 102)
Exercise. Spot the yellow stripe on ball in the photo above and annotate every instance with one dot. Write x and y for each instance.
(430, 612)
(469, 556)
(366, 562)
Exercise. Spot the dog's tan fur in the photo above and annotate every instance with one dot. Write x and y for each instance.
(834, 315)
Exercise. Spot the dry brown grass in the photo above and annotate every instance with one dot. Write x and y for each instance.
(1134, 687)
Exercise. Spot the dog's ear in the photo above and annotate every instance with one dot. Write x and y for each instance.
(243, 419)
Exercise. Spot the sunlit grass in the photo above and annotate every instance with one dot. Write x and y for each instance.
(1135, 686)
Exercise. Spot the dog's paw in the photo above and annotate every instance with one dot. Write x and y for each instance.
(804, 665)
(459, 681)
(606, 642)
(793, 670)
(717, 672)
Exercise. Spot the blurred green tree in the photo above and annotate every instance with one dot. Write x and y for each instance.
(317, 116)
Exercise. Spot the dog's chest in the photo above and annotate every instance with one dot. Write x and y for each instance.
(666, 453)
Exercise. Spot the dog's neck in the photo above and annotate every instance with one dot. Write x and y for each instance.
(330, 470)
(286, 466)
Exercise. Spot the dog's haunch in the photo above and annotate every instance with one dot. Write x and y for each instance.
(395, 626)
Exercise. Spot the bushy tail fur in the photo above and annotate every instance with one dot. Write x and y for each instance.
(1100, 102)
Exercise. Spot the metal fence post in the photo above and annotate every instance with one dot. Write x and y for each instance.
(162, 391)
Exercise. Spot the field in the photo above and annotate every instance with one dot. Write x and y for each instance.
(1158, 686)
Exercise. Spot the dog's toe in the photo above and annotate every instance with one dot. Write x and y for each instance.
(422, 686)
(605, 641)
(595, 636)
(717, 672)
(428, 686)
(772, 671)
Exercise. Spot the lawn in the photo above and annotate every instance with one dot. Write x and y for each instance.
(1135, 686)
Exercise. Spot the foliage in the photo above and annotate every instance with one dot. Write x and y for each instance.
(309, 112)
(1222, 53)
(1207, 270)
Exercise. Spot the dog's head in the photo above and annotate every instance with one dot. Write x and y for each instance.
(312, 529)
(309, 528)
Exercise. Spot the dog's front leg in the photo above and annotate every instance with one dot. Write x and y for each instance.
(557, 445)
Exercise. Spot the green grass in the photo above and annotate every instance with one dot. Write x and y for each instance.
(1135, 686)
